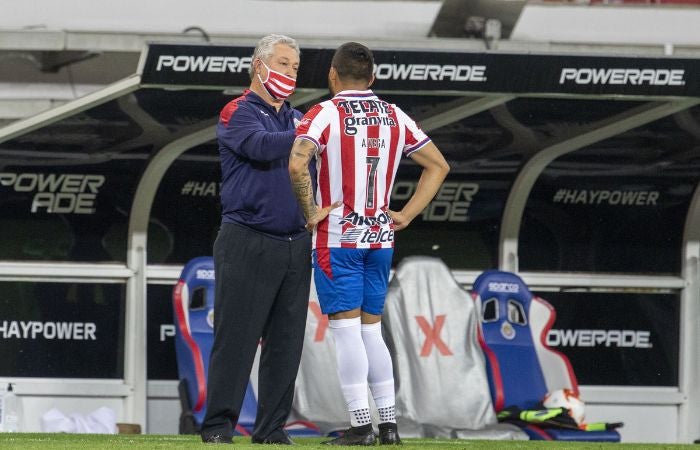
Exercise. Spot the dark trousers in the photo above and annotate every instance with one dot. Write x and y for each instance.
(262, 291)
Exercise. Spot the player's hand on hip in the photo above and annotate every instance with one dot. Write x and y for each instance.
(321, 213)
(400, 220)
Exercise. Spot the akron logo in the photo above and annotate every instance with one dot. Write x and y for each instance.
(357, 220)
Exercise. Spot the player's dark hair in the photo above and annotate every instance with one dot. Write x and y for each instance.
(353, 61)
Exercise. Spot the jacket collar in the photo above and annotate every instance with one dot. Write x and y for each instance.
(255, 98)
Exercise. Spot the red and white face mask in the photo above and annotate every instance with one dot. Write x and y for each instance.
(277, 84)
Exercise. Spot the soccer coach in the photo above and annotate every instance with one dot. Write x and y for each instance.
(262, 253)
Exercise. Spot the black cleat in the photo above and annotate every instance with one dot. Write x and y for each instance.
(362, 435)
(216, 439)
(279, 437)
(389, 434)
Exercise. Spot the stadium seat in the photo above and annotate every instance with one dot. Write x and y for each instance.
(441, 384)
(193, 308)
(521, 368)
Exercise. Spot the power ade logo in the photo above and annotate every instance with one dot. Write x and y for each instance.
(504, 287)
(637, 77)
(216, 64)
(599, 338)
(57, 193)
(434, 72)
(451, 203)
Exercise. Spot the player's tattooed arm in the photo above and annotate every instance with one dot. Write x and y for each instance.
(302, 151)
(299, 159)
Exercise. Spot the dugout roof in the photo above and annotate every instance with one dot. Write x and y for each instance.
(180, 86)
(179, 89)
(514, 118)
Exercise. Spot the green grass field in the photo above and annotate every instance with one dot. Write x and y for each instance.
(44, 441)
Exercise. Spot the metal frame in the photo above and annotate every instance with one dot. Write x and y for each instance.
(81, 104)
(689, 358)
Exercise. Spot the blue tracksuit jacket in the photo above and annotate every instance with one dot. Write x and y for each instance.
(254, 144)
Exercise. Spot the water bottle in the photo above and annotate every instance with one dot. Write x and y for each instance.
(10, 416)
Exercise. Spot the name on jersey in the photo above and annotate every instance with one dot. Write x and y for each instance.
(373, 143)
(356, 220)
(351, 123)
(365, 106)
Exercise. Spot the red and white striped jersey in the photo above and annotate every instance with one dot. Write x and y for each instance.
(360, 140)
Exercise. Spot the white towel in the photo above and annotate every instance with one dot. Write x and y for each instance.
(99, 421)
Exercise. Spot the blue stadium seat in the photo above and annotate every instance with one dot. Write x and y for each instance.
(193, 307)
(521, 368)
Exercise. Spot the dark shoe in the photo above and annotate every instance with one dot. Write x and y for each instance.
(279, 437)
(389, 434)
(217, 439)
(363, 435)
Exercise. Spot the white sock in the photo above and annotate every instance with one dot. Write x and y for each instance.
(352, 368)
(381, 372)
(360, 417)
(387, 414)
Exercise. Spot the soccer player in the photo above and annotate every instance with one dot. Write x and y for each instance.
(358, 140)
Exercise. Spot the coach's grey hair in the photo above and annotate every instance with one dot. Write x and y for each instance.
(266, 47)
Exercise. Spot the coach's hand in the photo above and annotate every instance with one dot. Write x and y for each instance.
(321, 213)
